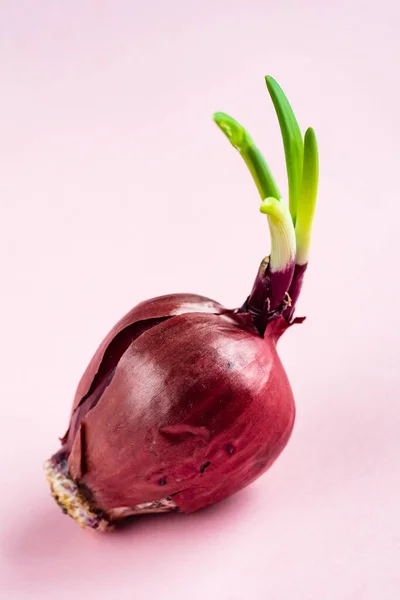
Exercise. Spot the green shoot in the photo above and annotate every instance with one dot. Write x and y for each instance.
(292, 141)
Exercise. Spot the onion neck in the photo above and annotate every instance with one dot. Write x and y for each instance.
(270, 296)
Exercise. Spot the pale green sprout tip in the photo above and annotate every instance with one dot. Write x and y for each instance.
(236, 134)
(242, 141)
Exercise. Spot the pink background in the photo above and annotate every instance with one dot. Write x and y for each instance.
(116, 186)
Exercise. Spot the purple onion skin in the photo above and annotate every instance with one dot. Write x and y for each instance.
(294, 291)
(183, 399)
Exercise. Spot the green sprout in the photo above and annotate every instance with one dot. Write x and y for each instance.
(301, 166)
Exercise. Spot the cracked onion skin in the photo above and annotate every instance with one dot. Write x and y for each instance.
(198, 406)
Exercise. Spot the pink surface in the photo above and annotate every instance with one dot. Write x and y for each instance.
(116, 186)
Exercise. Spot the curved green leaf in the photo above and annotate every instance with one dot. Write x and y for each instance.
(241, 140)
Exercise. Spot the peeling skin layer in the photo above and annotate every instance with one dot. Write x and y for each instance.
(75, 502)
(142, 317)
(156, 308)
(105, 374)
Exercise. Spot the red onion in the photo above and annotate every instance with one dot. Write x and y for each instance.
(186, 402)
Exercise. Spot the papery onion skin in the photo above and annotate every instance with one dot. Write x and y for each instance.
(198, 407)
